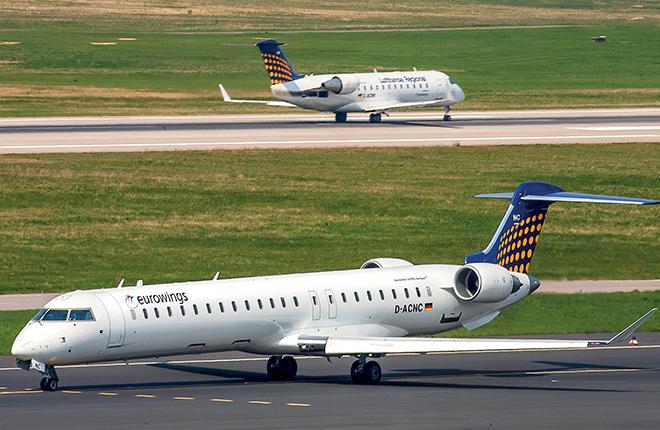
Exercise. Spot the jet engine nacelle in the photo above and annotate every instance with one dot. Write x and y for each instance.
(483, 283)
(381, 263)
(343, 84)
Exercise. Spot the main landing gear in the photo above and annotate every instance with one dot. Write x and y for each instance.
(374, 118)
(447, 117)
(50, 379)
(365, 372)
(279, 367)
(340, 117)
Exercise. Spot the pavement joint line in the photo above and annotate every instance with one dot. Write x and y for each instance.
(145, 396)
(71, 392)
(328, 141)
(259, 402)
(103, 393)
(182, 398)
(577, 371)
(222, 400)
(302, 405)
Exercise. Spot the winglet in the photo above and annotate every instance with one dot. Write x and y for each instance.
(627, 333)
(225, 95)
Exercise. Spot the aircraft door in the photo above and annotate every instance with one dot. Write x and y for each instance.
(316, 304)
(116, 322)
(332, 304)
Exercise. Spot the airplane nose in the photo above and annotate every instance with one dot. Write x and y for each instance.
(459, 95)
(21, 348)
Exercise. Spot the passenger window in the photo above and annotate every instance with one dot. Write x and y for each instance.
(146, 315)
(283, 302)
(357, 296)
(382, 294)
(169, 311)
(208, 308)
(222, 308)
(156, 313)
(295, 301)
(331, 299)
(419, 293)
(343, 297)
(133, 315)
(428, 291)
(56, 315)
(195, 310)
(39, 314)
(81, 315)
(405, 291)
(247, 305)
(314, 300)
(183, 311)
(233, 306)
(261, 305)
(393, 293)
(369, 295)
(272, 303)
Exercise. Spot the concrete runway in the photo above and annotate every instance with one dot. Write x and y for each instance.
(609, 388)
(103, 134)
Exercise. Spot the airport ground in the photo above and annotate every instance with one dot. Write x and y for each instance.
(608, 388)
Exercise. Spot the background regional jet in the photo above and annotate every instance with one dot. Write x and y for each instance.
(364, 313)
(352, 92)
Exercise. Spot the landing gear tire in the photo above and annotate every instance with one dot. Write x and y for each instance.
(372, 373)
(282, 367)
(357, 371)
(446, 117)
(340, 117)
(48, 384)
(375, 118)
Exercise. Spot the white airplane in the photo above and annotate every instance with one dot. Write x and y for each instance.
(352, 92)
(364, 313)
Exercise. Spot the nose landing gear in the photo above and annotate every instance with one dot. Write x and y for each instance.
(282, 367)
(375, 118)
(50, 379)
(447, 117)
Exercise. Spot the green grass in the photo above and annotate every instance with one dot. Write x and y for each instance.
(538, 314)
(70, 221)
(176, 64)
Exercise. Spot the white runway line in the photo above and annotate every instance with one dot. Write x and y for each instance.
(618, 128)
(322, 142)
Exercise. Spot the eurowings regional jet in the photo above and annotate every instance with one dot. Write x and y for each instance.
(343, 93)
(365, 313)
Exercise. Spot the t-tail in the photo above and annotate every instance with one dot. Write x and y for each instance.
(277, 66)
(516, 238)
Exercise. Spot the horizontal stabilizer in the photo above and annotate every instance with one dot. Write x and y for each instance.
(227, 98)
(564, 196)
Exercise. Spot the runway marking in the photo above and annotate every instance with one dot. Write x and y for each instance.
(456, 139)
(618, 128)
(302, 405)
(183, 398)
(567, 372)
(4, 393)
(259, 402)
(3, 388)
(222, 400)
(145, 396)
(108, 394)
(71, 392)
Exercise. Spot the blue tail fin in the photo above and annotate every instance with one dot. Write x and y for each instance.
(516, 238)
(277, 66)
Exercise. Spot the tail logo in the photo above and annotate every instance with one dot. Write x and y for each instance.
(278, 69)
(516, 245)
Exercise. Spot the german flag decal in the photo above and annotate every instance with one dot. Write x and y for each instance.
(428, 306)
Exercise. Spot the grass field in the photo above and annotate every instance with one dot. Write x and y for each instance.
(178, 58)
(70, 221)
(537, 314)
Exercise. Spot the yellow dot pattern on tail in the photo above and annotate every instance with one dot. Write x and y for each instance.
(516, 245)
(278, 69)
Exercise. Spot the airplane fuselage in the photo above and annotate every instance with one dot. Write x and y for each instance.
(263, 315)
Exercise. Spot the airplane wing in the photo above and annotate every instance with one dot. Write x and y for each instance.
(227, 98)
(380, 107)
(337, 346)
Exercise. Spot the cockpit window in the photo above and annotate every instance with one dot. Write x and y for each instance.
(81, 315)
(451, 81)
(39, 314)
(55, 315)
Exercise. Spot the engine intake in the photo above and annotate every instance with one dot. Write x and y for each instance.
(484, 283)
(341, 84)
